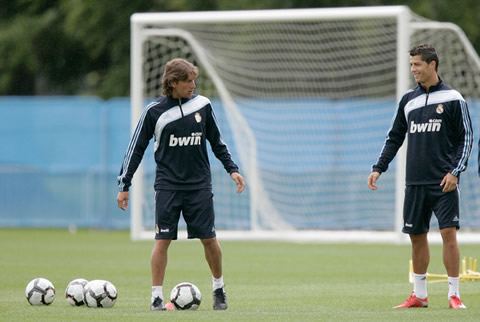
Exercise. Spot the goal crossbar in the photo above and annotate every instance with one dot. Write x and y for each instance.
(276, 15)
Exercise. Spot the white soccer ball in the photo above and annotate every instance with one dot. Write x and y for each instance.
(99, 293)
(186, 296)
(74, 292)
(40, 291)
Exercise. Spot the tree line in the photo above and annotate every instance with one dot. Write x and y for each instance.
(73, 47)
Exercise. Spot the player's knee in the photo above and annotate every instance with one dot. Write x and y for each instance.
(449, 235)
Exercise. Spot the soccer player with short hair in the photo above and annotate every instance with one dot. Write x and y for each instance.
(440, 138)
(181, 123)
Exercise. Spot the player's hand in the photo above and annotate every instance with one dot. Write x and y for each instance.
(122, 199)
(239, 181)
(449, 182)
(372, 180)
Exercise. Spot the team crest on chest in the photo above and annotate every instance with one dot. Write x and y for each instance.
(439, 109)
(198, 117)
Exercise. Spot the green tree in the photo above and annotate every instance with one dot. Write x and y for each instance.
(72, 47)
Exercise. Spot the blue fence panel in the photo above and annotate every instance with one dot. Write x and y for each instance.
(60, 158)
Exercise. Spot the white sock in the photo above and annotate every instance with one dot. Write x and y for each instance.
(453, 286)
(157, 291)
(420, 285)
(217, 282)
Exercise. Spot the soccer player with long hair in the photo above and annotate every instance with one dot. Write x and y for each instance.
(182, 123)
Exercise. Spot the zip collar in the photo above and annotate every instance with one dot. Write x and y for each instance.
(177, 101)
(433, 88)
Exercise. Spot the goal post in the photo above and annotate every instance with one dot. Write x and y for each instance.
(304, 97)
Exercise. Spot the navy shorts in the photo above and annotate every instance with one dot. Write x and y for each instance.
(196, 207)
(422, 200)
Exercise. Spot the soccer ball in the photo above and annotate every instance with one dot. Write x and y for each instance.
(99, 293)
(40, 291)
(186, 296)
(74, 292)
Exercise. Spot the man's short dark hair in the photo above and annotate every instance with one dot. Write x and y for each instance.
(427, 52)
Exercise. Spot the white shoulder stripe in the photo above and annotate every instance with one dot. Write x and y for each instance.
(195, 104)
(414, 103)
(445, 96)
(433, 98)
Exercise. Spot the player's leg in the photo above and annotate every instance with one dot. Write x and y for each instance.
(199, 215)
(158, 263)
(447, 210)
(451, 251)
(420, 260)
(451, 260)
(416, 216)
(159, 260)
(167, 214)
(420, 253)
(213, 254)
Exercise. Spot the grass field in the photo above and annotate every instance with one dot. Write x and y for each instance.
(264, 281)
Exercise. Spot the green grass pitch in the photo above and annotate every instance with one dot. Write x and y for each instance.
(265, 281)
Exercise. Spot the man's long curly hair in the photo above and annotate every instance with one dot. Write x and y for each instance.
(177, 69)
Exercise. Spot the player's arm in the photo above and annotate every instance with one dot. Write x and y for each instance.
(465, 138)
(219, 148)
(133, 156)
(393, 142)
(464, 149)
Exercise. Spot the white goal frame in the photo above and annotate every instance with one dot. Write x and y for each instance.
(141, 28)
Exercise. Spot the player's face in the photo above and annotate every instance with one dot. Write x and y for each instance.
(422, 72)
(184, 89)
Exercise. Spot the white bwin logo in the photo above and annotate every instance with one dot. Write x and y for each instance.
(431, 126)
(194, 139)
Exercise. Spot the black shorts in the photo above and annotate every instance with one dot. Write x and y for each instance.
(196, 207)
(422, 200)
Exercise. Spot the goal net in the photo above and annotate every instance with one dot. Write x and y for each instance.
(304, 99)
